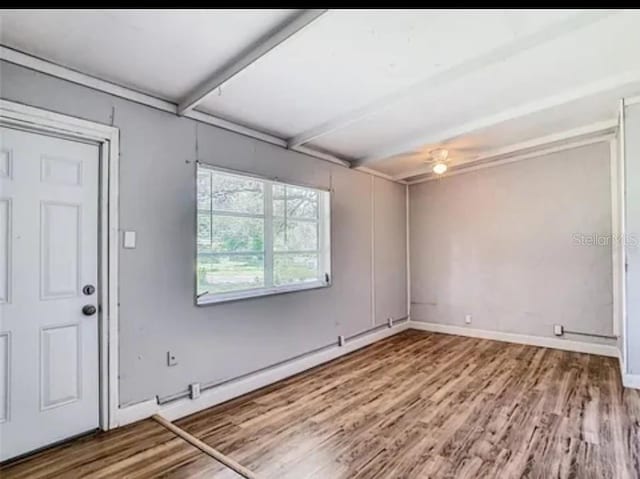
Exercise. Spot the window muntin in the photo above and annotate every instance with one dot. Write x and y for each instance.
(257, 237)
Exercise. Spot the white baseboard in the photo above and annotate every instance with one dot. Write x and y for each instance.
(232, 389)
(135, 412)
(631, 381)
(211, 397)
(554, 343)
(628, 380)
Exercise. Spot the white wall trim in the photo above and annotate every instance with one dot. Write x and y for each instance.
(321, 156)
(42, 121)
(632, 100)
(235, 388)
(628, 380)
(408, 247)
(373, 250)
(370, 171)
(622, 159)
(566, 137)
(136, 412)
(52, 69)
(232, 389)
(516, 157)
(540, 341)
(631, 381)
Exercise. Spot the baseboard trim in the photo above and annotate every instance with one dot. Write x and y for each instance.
(211, 397)
(232, 389)
(631, 381)
(134, 412)
(554, 343)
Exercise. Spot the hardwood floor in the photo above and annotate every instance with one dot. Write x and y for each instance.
(141, 450)
(416, 405)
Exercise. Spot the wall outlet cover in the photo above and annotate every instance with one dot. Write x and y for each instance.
(558, 329)
(467, 319)
(340, 340)
(172, 360)
(194, 390)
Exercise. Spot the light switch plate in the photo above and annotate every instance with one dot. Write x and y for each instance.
(129, 239)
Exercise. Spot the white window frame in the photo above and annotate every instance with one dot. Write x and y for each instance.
(323, 251)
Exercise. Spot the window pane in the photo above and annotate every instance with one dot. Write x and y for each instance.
(291, 235)
(297, 202)
(220, 274)
(294, 268)
(242, 195)
(204, 230)
(204, 190)
(237, 234)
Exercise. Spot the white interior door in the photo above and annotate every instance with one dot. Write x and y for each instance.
(49, 371)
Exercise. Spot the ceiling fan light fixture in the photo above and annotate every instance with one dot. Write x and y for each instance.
(440, 155)
(439, 168)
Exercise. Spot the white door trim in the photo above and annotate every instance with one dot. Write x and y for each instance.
(37, 120)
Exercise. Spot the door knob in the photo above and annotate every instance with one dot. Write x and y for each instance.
(89, 310)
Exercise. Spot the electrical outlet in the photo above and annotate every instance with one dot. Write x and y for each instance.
(390, 322)
(194, 390)
(340, 340)
(467, 319)
(172, 360)
(558, 329)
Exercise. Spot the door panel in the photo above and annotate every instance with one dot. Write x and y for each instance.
(5, 248)
(5, 163)
(60, 250)
(49, 370)
(4, 377)
(60, 366)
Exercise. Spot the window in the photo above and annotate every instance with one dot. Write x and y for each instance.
(257, 237)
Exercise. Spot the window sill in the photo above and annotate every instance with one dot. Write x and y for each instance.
(258, 293)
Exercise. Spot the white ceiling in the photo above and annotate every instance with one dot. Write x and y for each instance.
(381, 88)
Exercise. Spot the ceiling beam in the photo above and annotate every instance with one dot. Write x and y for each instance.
(496, 55)
(592, 89)
(254, 52)
(58, 71)
(529, 148)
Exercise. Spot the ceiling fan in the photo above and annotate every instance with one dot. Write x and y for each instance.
(439, 158)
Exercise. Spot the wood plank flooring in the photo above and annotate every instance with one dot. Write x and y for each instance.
(141, 450)
(416, 405)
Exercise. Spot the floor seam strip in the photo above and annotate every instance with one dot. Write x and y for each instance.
(205, 448)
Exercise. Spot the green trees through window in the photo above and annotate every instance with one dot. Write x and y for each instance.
(255, 234)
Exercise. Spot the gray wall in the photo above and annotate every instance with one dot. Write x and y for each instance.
(498, 244)
(632, 205)
(157, 197)
(390, 246)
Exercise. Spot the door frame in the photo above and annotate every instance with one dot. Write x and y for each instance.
(37, 120)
